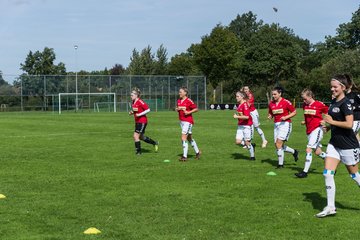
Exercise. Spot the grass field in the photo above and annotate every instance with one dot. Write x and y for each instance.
(64, 174)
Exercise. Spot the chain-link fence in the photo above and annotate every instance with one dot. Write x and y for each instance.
(29, 93)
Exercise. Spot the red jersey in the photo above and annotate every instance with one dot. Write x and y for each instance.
(185, 105)
(313, 115)
(244, 110)
(251, 101)
(280, 109)
(139, 106)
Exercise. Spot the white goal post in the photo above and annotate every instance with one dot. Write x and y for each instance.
(87, 94)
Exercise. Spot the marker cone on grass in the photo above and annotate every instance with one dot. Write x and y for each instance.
(271, 174)
(2, 196)
(92, 230)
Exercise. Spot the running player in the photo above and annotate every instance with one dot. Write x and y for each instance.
(282, 111)
(313, 111)
(343, 145)
(139, 110)
(255, 115)
(353, 95)
(186, 107)
(244, 130)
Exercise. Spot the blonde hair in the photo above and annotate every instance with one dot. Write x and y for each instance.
(308, 93)
(185, 89)
(136, 91)
(242, 94)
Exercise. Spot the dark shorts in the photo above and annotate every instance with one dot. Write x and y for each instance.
(140, 128)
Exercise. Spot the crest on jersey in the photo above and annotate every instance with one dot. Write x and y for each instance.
(336, 110)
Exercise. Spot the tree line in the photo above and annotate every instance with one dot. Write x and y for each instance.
(247, 51)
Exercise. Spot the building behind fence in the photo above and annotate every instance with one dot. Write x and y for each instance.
(41, 93)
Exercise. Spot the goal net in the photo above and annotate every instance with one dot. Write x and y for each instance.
(80, 101)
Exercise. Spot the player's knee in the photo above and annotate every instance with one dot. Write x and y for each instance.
(238, 141)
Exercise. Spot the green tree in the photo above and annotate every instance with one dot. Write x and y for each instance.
(42, 63)
(2, 80)
(348, 34)
(183, 64)
(117, 69)
(216, 54)
(161, 62)
(274, 54)
(245, 26)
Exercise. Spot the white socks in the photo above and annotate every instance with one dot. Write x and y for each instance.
(308, 161)
(251, 150)
(185, 148)
(280, 154)
(356, 178)
(261, 133)
(194, 145)
(330, 187)
(288, 149)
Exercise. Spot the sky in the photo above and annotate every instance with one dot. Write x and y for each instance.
(107, 31)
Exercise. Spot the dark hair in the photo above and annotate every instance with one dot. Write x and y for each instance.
(351, 83)
(308, 93)
(185, 90)
(343, 79)
(278, 89)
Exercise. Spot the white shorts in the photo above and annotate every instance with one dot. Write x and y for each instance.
(255, 118)
(282, 131)
(244, 133)
(356, 127)
(315, 137)
(186, 127)
(348, 156)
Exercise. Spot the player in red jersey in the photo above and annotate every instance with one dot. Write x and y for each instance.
(313, 111)
(282, 111)
(139, 110)
(186, 107)
(244, 130)
(255, 115)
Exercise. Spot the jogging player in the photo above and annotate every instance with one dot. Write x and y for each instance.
(139, 110)
(255, 115)
(281, 110)
(343, 145)
(186, 107)
(313, 111)
(244, 130)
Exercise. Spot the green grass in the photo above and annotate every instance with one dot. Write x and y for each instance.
(64, 174)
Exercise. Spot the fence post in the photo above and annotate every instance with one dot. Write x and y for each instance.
(45, 108)
(205, 92)
(169, 93)
(21, 95)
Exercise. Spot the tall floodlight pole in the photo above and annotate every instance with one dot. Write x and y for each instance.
(76, 80)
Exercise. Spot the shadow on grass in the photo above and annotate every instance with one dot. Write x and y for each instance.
(318, 202)
(237, 156)
(189, 155)
(270, 161)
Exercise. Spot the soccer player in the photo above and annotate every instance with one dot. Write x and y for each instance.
(282, 111)
(244, 130)
(313, 111)
(139, 110)
(343, 145)
(353, 95)
(186, 107)
(255, 115)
